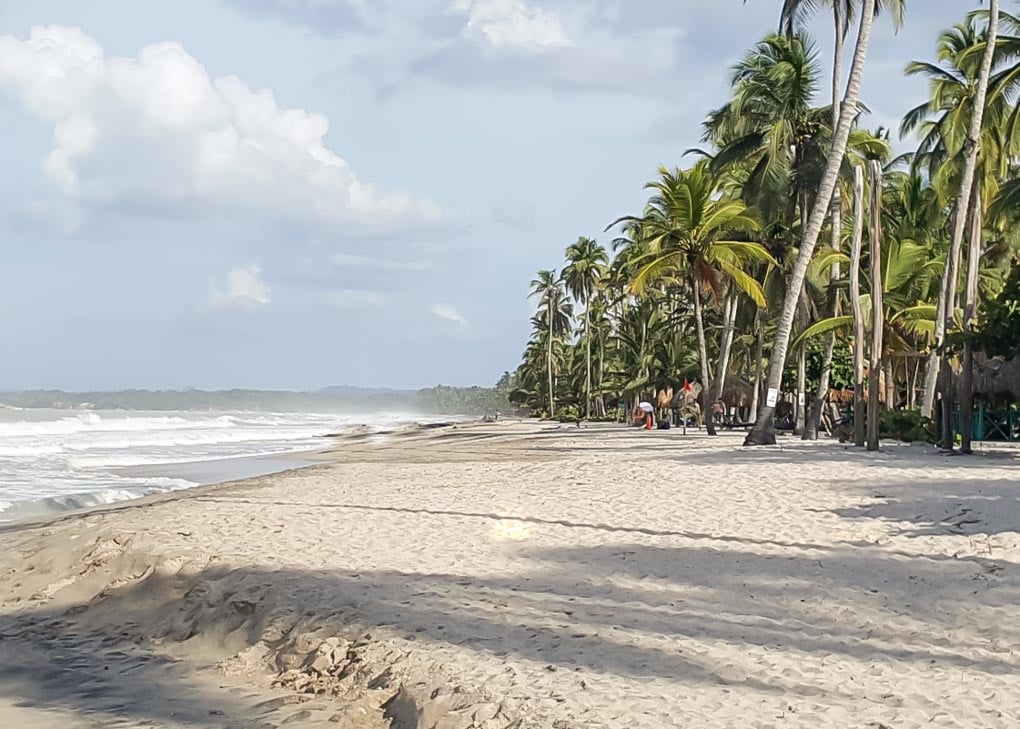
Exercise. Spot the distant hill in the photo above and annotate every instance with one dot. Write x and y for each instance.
(352, 392)
(334, 399)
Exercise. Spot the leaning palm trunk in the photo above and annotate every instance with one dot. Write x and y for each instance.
(706, 390)
(855, 304)
(727, 345)
(877, 309)
(814, 415)
(764, 431)
(969, 315)
(947, 300)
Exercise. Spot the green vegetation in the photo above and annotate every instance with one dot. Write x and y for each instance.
(797, 232)
(437, 400)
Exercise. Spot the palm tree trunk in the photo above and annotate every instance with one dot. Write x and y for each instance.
(969, 315)
(947, 300)
(890, 381)
(727, 345)
(912, 392)
(764, 431)
(587, 341)
(798, 427)
(552, 394)
(602, 375)
(877, 309)
(706, 388)
(759, 347)
(836, 224)
(855, 306)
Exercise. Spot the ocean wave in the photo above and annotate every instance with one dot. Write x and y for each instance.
(32, 508)
(94, 423)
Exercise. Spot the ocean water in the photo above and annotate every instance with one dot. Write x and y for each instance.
(54, 460)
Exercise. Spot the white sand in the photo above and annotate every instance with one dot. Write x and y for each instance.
(525, 576)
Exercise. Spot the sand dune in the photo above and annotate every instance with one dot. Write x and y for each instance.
(518, 575)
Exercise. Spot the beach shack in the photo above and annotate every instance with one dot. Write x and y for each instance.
(996, 399)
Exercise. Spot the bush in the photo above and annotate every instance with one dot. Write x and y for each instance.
(907, 426)
(568, 414)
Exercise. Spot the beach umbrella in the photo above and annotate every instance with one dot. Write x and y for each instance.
(647, 407)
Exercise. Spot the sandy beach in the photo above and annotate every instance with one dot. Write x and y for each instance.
(526, 575)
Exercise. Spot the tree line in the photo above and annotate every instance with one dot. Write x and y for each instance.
(796, 251)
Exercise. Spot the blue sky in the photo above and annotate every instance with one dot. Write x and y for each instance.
(295, 193)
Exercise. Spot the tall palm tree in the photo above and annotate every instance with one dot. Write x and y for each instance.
(688, 229)
(554, 312)
(764, 430)
(586, 264)
(792, 15)
(957, 124)
(763, 133)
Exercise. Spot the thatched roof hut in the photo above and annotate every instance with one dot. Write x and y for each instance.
(737, 393)
(996, 379)
(684, 399)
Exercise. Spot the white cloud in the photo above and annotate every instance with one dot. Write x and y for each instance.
(571, 45)
(354, 298)
(157, 135)
(448, 313)
(512, 23)
(244, 288)
(368, 263)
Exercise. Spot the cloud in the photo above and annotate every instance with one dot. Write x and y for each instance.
(572, 46)
(511, 24)
(244, 288)
(324, 16)
(156, 135)
(354, 298)
(568, 45)
(448, 313)
(370, 264)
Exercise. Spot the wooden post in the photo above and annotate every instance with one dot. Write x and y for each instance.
(877, 308)
(855, 305)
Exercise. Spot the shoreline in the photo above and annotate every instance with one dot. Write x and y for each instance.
(528, 575)
(202, 473)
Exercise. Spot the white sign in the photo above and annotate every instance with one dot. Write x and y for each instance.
(800, 398)
(773, 397)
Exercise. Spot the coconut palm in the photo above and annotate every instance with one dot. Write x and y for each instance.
(554, 313)
(764, 430)
(688, 230)
(586, 264)
(954, 133)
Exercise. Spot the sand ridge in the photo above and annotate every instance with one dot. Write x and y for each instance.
(525, 575)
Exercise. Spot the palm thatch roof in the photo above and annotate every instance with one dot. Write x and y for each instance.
(684, 399)
(737, 393)
(996, 378)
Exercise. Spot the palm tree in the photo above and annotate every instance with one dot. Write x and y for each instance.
(764, 430)
(763, 133)
(954, 135)
(687, 229)
(586, 263)
(792, 16)
(554, 312)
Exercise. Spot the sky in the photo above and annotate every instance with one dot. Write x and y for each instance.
(297, 193)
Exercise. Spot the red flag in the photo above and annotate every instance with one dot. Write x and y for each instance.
(687, 385)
